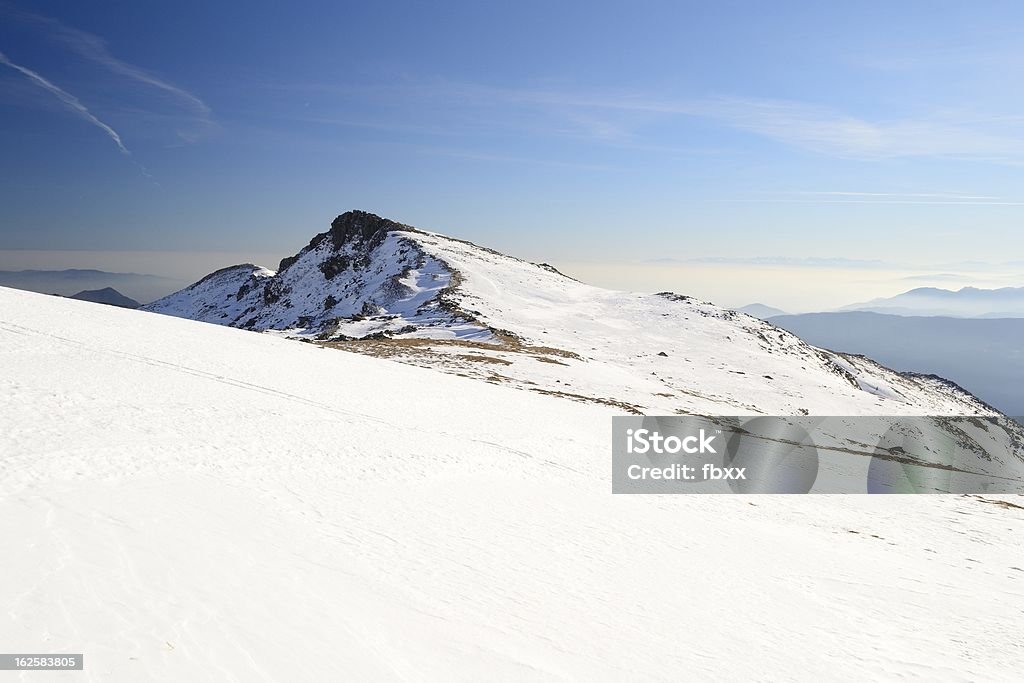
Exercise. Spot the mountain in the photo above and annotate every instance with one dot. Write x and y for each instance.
(984, 356)
(71, 281)
(382, 288)
(761, 311)
(251, 503)
(968, 302)
(107, 295)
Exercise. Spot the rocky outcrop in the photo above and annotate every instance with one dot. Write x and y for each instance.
(364, 276)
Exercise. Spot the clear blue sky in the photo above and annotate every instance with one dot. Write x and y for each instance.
(580, 131)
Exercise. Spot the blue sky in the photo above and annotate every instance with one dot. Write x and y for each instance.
(606, 136)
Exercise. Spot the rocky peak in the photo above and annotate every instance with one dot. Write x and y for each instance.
(351, 227)
(362, 226)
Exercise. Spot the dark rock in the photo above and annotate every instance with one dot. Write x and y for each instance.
(286, 262)
(270, 294)
(361, 226)
(334, 265)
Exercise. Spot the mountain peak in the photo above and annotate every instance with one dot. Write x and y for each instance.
(376, 286)
(352, 227)
(363, 226)
(107, 295)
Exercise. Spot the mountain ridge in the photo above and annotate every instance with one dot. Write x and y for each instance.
(380, 287)
(932, 343)
(966, 302)
(70, 281)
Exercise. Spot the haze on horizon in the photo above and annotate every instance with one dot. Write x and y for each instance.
(802, 154)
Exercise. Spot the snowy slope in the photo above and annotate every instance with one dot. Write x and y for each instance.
(362, 276)
(182, 501)
(379, 287)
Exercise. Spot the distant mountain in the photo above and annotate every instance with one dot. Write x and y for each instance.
(379, 287)
(984, 356)
(761, 311)
(968, 302)
(107, 295)
(73, 280)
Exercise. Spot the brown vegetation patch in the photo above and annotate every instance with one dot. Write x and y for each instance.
(628, 407)
(1005, 504)
(387, 348)
(483, 359)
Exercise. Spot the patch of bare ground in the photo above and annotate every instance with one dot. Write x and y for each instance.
(482, 358)
(1005, 504)
(628, 407)
(468, 358)
(388, 348)
(546, 359)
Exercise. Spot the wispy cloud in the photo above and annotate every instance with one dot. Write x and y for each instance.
(936, 277)
(854, 200)
(899, 195)
(502, 158)
(794, 262)
(857, 197)
(827, 131)
(70, 101)
(606, 116)
(95, 50)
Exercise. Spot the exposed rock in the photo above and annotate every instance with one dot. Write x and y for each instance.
(362, 226)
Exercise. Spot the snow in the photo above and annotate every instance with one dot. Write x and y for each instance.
(213, 299)
(184, 501)
(715, 361)
(532, 328)
(865, 382)
(343, 289)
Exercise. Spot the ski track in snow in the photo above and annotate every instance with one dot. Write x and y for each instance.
(183, 501)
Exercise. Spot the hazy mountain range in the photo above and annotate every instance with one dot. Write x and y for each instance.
(968, 302)
(972, 336)
(985, 356)
(761, 311)
(140, 287)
